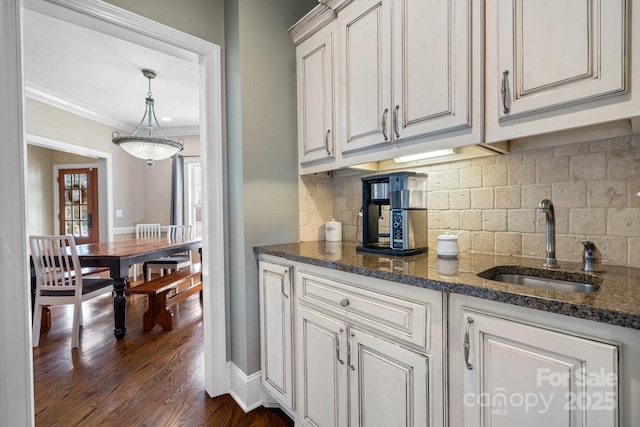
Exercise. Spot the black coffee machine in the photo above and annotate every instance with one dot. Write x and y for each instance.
(402, 196)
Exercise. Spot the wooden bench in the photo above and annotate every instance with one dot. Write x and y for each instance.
(157, 289)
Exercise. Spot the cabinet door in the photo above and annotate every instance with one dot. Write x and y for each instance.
(365, 86)
(315, 72)
(276, 331)
(520, 375)
(432, 69)
(321, 370)
(389, 385)
(545, 54)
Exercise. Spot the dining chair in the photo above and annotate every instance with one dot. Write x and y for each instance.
(176, 261)
(145, 231)
(59, 281)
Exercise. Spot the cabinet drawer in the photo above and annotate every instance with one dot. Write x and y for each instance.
(398, 317)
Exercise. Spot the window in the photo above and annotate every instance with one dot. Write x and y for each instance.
(193, 194)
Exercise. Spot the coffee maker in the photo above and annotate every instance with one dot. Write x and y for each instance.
(402, 196)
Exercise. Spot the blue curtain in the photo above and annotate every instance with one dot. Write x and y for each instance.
(177, 190)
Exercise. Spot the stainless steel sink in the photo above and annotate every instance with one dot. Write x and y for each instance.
(539, 278)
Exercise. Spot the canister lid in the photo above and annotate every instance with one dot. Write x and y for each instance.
(447, 236)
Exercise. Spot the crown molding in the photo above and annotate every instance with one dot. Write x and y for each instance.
(105, 119)
(336, 5)
(317, 18)
(82, 111)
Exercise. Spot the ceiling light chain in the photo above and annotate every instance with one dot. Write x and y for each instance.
(148, 147)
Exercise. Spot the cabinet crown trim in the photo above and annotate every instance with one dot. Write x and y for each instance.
(317, 18)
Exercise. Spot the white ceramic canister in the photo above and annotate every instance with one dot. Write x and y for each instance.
(333, 231)
(447, 246)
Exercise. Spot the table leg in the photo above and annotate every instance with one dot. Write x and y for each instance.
(119, 307)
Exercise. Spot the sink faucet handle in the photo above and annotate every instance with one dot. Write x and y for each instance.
(590, 256)
(590, 252)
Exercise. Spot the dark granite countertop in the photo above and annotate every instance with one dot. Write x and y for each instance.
(617, 302)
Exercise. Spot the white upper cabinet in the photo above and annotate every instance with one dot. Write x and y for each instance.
(392, 78)
(315, 77)
(365, 89)
(553, 65)
(431, 67)
(407, 77)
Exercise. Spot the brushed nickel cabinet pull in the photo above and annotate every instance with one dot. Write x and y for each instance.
(503, 91)
(282, 284)
(384, 124)
(395, 121)
(466, 345)
(353, 368)
(338, 346)
(326, 141)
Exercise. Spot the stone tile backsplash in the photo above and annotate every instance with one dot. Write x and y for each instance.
(492, 201)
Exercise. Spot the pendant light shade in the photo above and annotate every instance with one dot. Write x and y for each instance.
(145, 145)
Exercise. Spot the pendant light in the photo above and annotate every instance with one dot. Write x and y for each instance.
(148, 147)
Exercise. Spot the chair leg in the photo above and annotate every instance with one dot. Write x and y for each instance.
(46, 317)
(75, 330)
(37, 319)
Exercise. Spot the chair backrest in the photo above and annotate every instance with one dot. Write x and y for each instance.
(147, 230)
(56, 263)
(180, 231)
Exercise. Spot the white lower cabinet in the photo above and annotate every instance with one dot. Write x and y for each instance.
(276, 331)
(388, 383)
(352, 372)
(340, 349)
(505, 371)
(350, 377)
(520, 375)
(322, 370)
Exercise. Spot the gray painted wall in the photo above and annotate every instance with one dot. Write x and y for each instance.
(262, 153)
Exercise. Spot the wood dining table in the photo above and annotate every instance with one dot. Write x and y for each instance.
(120, 255)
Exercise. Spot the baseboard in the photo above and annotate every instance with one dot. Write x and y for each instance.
(245, 390)
(124, 230)
(248, 392)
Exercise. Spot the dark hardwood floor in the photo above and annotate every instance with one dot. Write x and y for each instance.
(151, 378)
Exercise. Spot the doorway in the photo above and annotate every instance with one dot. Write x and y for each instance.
(78, 201)
(16, 404)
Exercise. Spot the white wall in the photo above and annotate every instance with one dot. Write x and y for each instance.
(128, 180)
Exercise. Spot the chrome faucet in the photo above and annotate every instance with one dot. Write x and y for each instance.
(547, 207)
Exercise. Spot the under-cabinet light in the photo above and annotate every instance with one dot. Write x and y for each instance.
(423, 156)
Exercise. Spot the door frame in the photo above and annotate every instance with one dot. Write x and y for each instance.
(16, 366)
(56, 189)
